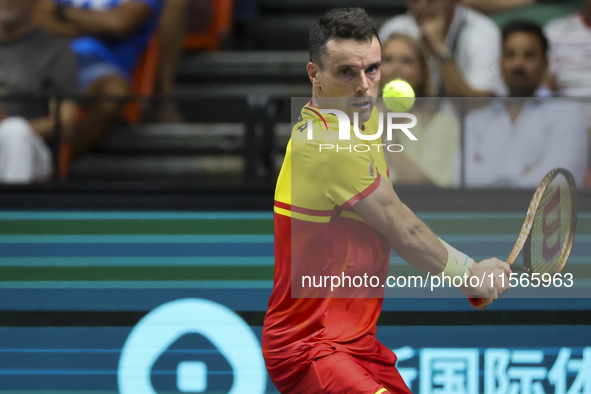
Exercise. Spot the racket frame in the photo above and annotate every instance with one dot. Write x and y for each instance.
(524, 239)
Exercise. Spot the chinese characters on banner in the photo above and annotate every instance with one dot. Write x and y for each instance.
(505, 371)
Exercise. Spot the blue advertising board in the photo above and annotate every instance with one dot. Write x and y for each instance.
(196, 345)
(151, 302)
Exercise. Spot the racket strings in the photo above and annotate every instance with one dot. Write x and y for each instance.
(551, 228)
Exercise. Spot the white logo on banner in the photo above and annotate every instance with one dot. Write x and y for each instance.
(164, 325)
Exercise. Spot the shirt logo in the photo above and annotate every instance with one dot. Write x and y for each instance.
(371, 171)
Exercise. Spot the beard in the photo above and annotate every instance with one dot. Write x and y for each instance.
(522, 91)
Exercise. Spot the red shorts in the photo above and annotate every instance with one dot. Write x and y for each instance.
(343, 373)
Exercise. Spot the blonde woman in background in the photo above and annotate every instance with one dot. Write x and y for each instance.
(429, 160)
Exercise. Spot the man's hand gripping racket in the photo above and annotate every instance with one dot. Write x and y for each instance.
(548, 232)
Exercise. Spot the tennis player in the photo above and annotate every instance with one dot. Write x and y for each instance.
(336, 212)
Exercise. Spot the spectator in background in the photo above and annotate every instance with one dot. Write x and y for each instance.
(172, 31)
(464, 46)
(514, 143)
(494, 6)
(430, 159)
(31, 63)
(570, 55)
(110, 37)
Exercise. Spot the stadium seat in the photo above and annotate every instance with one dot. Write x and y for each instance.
(219, 26)
(64, 161)
(144, 77)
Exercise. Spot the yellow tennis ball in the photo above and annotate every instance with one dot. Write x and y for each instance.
(398, 95)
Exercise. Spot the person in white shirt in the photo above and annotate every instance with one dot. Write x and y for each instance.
(570, 53)
(464, 46)
(516, 141)
(570, 56)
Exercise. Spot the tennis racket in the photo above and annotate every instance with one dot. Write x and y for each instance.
(548, 232)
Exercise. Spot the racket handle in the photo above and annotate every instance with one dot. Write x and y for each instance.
(476, 301)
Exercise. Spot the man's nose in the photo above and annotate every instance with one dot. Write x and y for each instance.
(363, 85)
(518, 63)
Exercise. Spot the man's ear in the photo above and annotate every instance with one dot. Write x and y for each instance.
(313, 70)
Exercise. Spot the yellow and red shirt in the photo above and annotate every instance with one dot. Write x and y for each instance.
(317, 233)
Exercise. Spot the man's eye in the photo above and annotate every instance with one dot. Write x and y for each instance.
(345, 72)
(372, 69)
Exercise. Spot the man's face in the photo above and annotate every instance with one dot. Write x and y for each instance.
(14, 12)
(349, 69)
(424, 10)
(523, 63)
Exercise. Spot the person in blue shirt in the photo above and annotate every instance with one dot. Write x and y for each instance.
(109, 37)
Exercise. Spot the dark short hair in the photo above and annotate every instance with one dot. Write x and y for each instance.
(346, 23)
(526, 27)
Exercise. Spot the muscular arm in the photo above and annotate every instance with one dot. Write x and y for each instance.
(418, 245)
(404, 232)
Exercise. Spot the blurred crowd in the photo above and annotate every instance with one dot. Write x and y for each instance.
(522, 122)
(522, 131)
